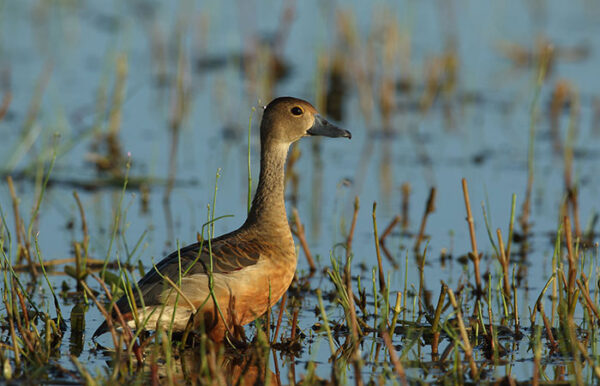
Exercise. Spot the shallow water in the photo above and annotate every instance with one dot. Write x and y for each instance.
(477, 130)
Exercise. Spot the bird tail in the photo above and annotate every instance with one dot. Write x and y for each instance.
(100, 330)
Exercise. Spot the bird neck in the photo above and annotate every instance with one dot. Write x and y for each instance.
(268, 207)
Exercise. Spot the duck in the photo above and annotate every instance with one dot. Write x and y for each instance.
(250, 268)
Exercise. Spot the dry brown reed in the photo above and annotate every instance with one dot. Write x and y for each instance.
(429, 209)
(474, 254)
(298, 231)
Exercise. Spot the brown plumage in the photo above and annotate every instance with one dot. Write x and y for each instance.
(252, 266)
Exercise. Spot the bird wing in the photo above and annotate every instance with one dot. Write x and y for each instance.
(229, 253)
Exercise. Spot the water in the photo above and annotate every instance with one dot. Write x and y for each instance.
(477, 130)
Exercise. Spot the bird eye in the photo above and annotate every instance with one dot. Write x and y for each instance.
(297, 110)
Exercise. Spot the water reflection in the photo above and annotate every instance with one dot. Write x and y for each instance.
(206, 363)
